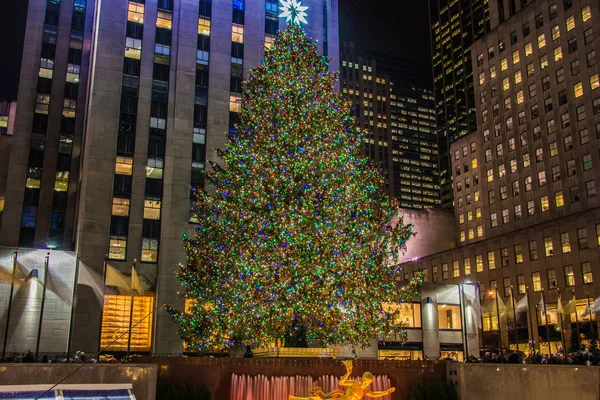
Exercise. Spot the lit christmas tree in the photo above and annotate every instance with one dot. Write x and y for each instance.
(297, 232)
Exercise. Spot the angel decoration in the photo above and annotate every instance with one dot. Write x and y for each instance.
(355, 390)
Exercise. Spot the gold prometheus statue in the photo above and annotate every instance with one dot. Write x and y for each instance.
(355, 390)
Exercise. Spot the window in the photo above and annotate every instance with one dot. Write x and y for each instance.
(526, 30)
(513, 37)
(530, 208)
(463, 236)
(501, 170)
(565, 243)
(479, 263)
(578, 90)
(533, 250)
(164, 20)
(467, 265)
(133, 48)
(494, 219)
(505, 216)
(583, 136)
(555, 32)
(542, 178)
(545, 206)
(490, 175)
(503, 64)
(554, 152)
(408, 313)
(551, 275)
(590, 189)
(518, 212)
(479, 60)
(445, 271)
(530, 69)
(135, 12)
(434, 271)
(591, 58)
(560, 75)
(504, 256)
(587, 162)
(518, 77)
(120, 207)
(574, 192)
(582, 238)
(557, 53)
(204, 26)
(518, 254)
(569, 276)
(572, 45)
(471, 233)
(528, 183)
(152, 209)
(571, 169)
(586, 271)
(117, 247)
(149, 250)
(588, 36)
(570, 23)
(543, 62)
(449, 317)
(548, 247)
(521, 284)
(558, 199)
(503, 193)
(532, 91)
(541, 41)
(565, 120)
(513, 166)
(507, 287)
(455, 269)
(586, 13)
(491, 256)
(237, 33)
(491, 53)
(479, 230)
(596, 108)
(537, 282)
(124, 165)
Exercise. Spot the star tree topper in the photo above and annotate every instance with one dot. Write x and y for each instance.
(293, 11)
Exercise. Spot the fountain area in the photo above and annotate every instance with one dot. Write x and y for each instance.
(276, 378)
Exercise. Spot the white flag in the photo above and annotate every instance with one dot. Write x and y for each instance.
(522, 305)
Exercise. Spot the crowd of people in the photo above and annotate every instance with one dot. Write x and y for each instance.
(581, 357)
(80, 357)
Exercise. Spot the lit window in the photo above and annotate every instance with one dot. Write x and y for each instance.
(528, 49)
(234, 103)
(520, 97)
(463, 236)
(269, 40)
(565, 243)
(409, 314)
(594, 82)
(492, 71)
(117, 319)
(204, 26)
(558, 53)
(504, 64)
(558, 199)
(467, 266)
(474, 163)
(154, 168)
(517, 77)
(516, 58)
(541, 41)
(120, 207)
(237, 33)
(578, 90)
(61, 184)
(479, 263)
(133, 48)
(73, 73)
(136, 12)
(586, 13)
(479, 230)
(164, 20)
(537, 281)
(117, 247)
(478, 213)
(149, 250)
(481, 78)
(544, 203)
(555, 32)
(570, 23)
(471, 233)
(42, 103)
(491, 256)
(124, 165)
(69, 108)
(449, 317)
(152, 209)
(548, 247)
(46, 68)
(586, 270)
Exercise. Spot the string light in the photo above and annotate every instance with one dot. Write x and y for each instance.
(297, 229)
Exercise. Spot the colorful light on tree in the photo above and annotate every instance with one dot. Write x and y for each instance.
(297, 228)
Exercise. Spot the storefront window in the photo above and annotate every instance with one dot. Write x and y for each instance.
(452, 355)
(449, 316)
(400, 354)
(410, 314)
(116, 317)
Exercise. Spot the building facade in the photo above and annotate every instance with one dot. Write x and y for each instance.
(122, 103)
(527, 214)
(394, 108)
(454, 27)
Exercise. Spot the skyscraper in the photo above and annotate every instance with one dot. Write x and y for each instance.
(454, 27)
(393, 104)
(121, 105)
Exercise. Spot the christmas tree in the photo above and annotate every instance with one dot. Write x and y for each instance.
(297, 231)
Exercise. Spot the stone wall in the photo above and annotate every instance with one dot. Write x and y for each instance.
(142, 377)
(217, 373)
(531, 382)
(435, 231)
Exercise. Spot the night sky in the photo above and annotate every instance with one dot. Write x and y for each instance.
(395, 27)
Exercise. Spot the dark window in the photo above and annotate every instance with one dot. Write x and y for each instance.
(237, 50)
(128, 104)
(51, 17)
(163, 36)
(151, 228)
(539, 20)
(156, 148)
(201, 75)
(32, 197)
(122, 186)
(71, 90)
(119, 225)
(238, 16)
(131, 67)
(74, 56)
(44, 85)
(59, 200)
(567, 4)
(572, 45)
(161, 72)
(125, 145)
(127, 123)
(271, 26)
(78, 22)
(203, 42)
(165, 4)
(198, 153)
(525, 30)
(513, 37)
(134, 30)
(48, 51)
(153, 188)
(158, 109)
(205, 8)
(63, 162)
(40, 123)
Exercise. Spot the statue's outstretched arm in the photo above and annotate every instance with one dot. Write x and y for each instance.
(344, 379)
(374, 395)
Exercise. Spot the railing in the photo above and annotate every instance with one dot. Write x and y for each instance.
(295, 352)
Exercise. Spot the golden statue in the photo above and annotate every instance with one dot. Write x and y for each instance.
(356, 390)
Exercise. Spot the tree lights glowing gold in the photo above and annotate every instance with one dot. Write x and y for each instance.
(297, 229)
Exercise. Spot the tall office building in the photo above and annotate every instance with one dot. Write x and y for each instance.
(393, 104)
(454, 27)
(121, 104)
(527, 209)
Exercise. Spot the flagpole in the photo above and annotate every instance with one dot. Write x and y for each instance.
(546, 323)
(39, 334)
(512, 296)
(498, 318)
(576, 322)
(74, 295)
(103, 286)
(131, 311)
(10, 298)
(530, 320)
(562, 328)
(592, 317)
